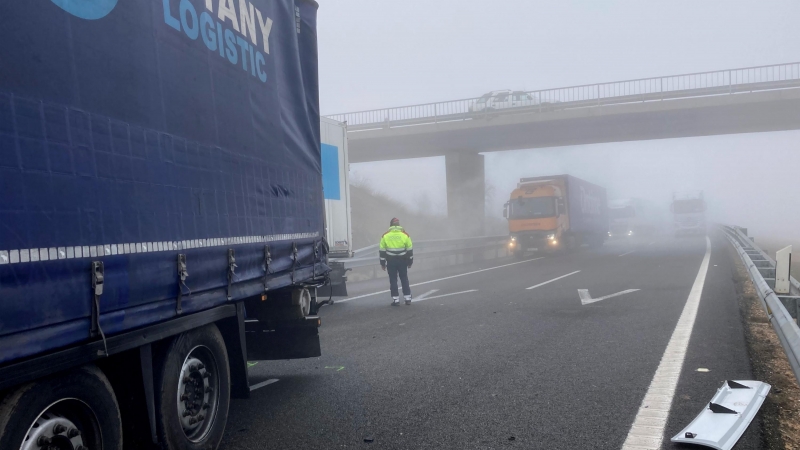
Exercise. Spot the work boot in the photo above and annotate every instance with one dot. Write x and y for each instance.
(408, 299)
(395, 301)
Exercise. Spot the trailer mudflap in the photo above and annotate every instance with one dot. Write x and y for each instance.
(283, 340)
(338, 281)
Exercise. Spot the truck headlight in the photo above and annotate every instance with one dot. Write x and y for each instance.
(630, 233)
(551, 236)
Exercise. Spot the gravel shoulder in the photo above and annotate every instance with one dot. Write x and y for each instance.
(780, 414)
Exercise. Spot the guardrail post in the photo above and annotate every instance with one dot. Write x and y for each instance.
(783, 267)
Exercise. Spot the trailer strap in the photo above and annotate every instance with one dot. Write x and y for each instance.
(294, 258)
(314, 267)
(182, 275)
(267, 262)
(231, 270)
(98, 279)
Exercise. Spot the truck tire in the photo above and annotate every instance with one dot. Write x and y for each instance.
(68, 410)
(193, 391)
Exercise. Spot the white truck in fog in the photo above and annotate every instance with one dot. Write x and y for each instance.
(688, 213)
(336, 190)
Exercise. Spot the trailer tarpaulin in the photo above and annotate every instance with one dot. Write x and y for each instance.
(135, 131)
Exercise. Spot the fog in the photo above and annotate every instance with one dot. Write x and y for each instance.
(377, 54)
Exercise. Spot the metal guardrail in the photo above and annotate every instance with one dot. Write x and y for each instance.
(759, 263)
(701, 84)
(368, 256)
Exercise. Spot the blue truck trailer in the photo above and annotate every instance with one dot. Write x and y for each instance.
(161, 214)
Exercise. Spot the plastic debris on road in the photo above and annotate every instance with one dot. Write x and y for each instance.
(723, 421)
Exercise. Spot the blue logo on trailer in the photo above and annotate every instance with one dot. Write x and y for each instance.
(87, 9)
(330, 172)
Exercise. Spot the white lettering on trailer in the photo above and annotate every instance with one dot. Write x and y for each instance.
(245, 22)
(248, 20)
(226, 10)
(266, 29)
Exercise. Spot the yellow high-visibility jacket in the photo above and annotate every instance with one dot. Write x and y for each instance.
(396, 243)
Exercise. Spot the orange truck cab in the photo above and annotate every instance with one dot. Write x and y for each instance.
(555, 213)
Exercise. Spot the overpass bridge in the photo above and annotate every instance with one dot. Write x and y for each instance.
(746, 100)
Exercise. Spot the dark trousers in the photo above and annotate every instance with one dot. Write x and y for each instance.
(397, 267)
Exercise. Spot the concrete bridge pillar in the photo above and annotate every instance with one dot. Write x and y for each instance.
(465, 193)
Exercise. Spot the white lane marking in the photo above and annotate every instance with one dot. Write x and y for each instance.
(443, 295)
(262, 384)
(442, 279)
(628, 253)
(422, 297)
(651, 243)
(647, 431)
(554, 279)
(586, 298)
(361, 296)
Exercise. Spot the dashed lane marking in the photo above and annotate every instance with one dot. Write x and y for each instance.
(442, 279)
(443, 295)
(554, 279)
(647, 431)
(262, 384)
(423, 296)
(627, 253)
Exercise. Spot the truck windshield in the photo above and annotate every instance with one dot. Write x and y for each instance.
(531, 208)
(688, 206)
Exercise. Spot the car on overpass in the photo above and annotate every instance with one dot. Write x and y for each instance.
(503, 99)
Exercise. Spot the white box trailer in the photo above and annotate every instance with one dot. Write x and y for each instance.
(336, 188)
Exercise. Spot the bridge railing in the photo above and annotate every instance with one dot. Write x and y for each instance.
(782, 310)
(733, 81)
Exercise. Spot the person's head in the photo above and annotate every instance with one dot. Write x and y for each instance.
(395, 222)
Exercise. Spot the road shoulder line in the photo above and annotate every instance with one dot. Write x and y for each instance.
(647, 431)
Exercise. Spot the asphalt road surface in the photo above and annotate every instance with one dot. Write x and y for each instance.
(479, 361)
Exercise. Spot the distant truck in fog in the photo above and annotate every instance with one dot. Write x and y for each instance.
(688, 213)
(631, 217)
(554, 213)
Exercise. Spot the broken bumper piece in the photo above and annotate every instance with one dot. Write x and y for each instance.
(724, 419)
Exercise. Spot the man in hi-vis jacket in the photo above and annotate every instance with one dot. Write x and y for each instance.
(397, 254)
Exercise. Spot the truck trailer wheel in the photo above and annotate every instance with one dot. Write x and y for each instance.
(73, 410)
(193, 391)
